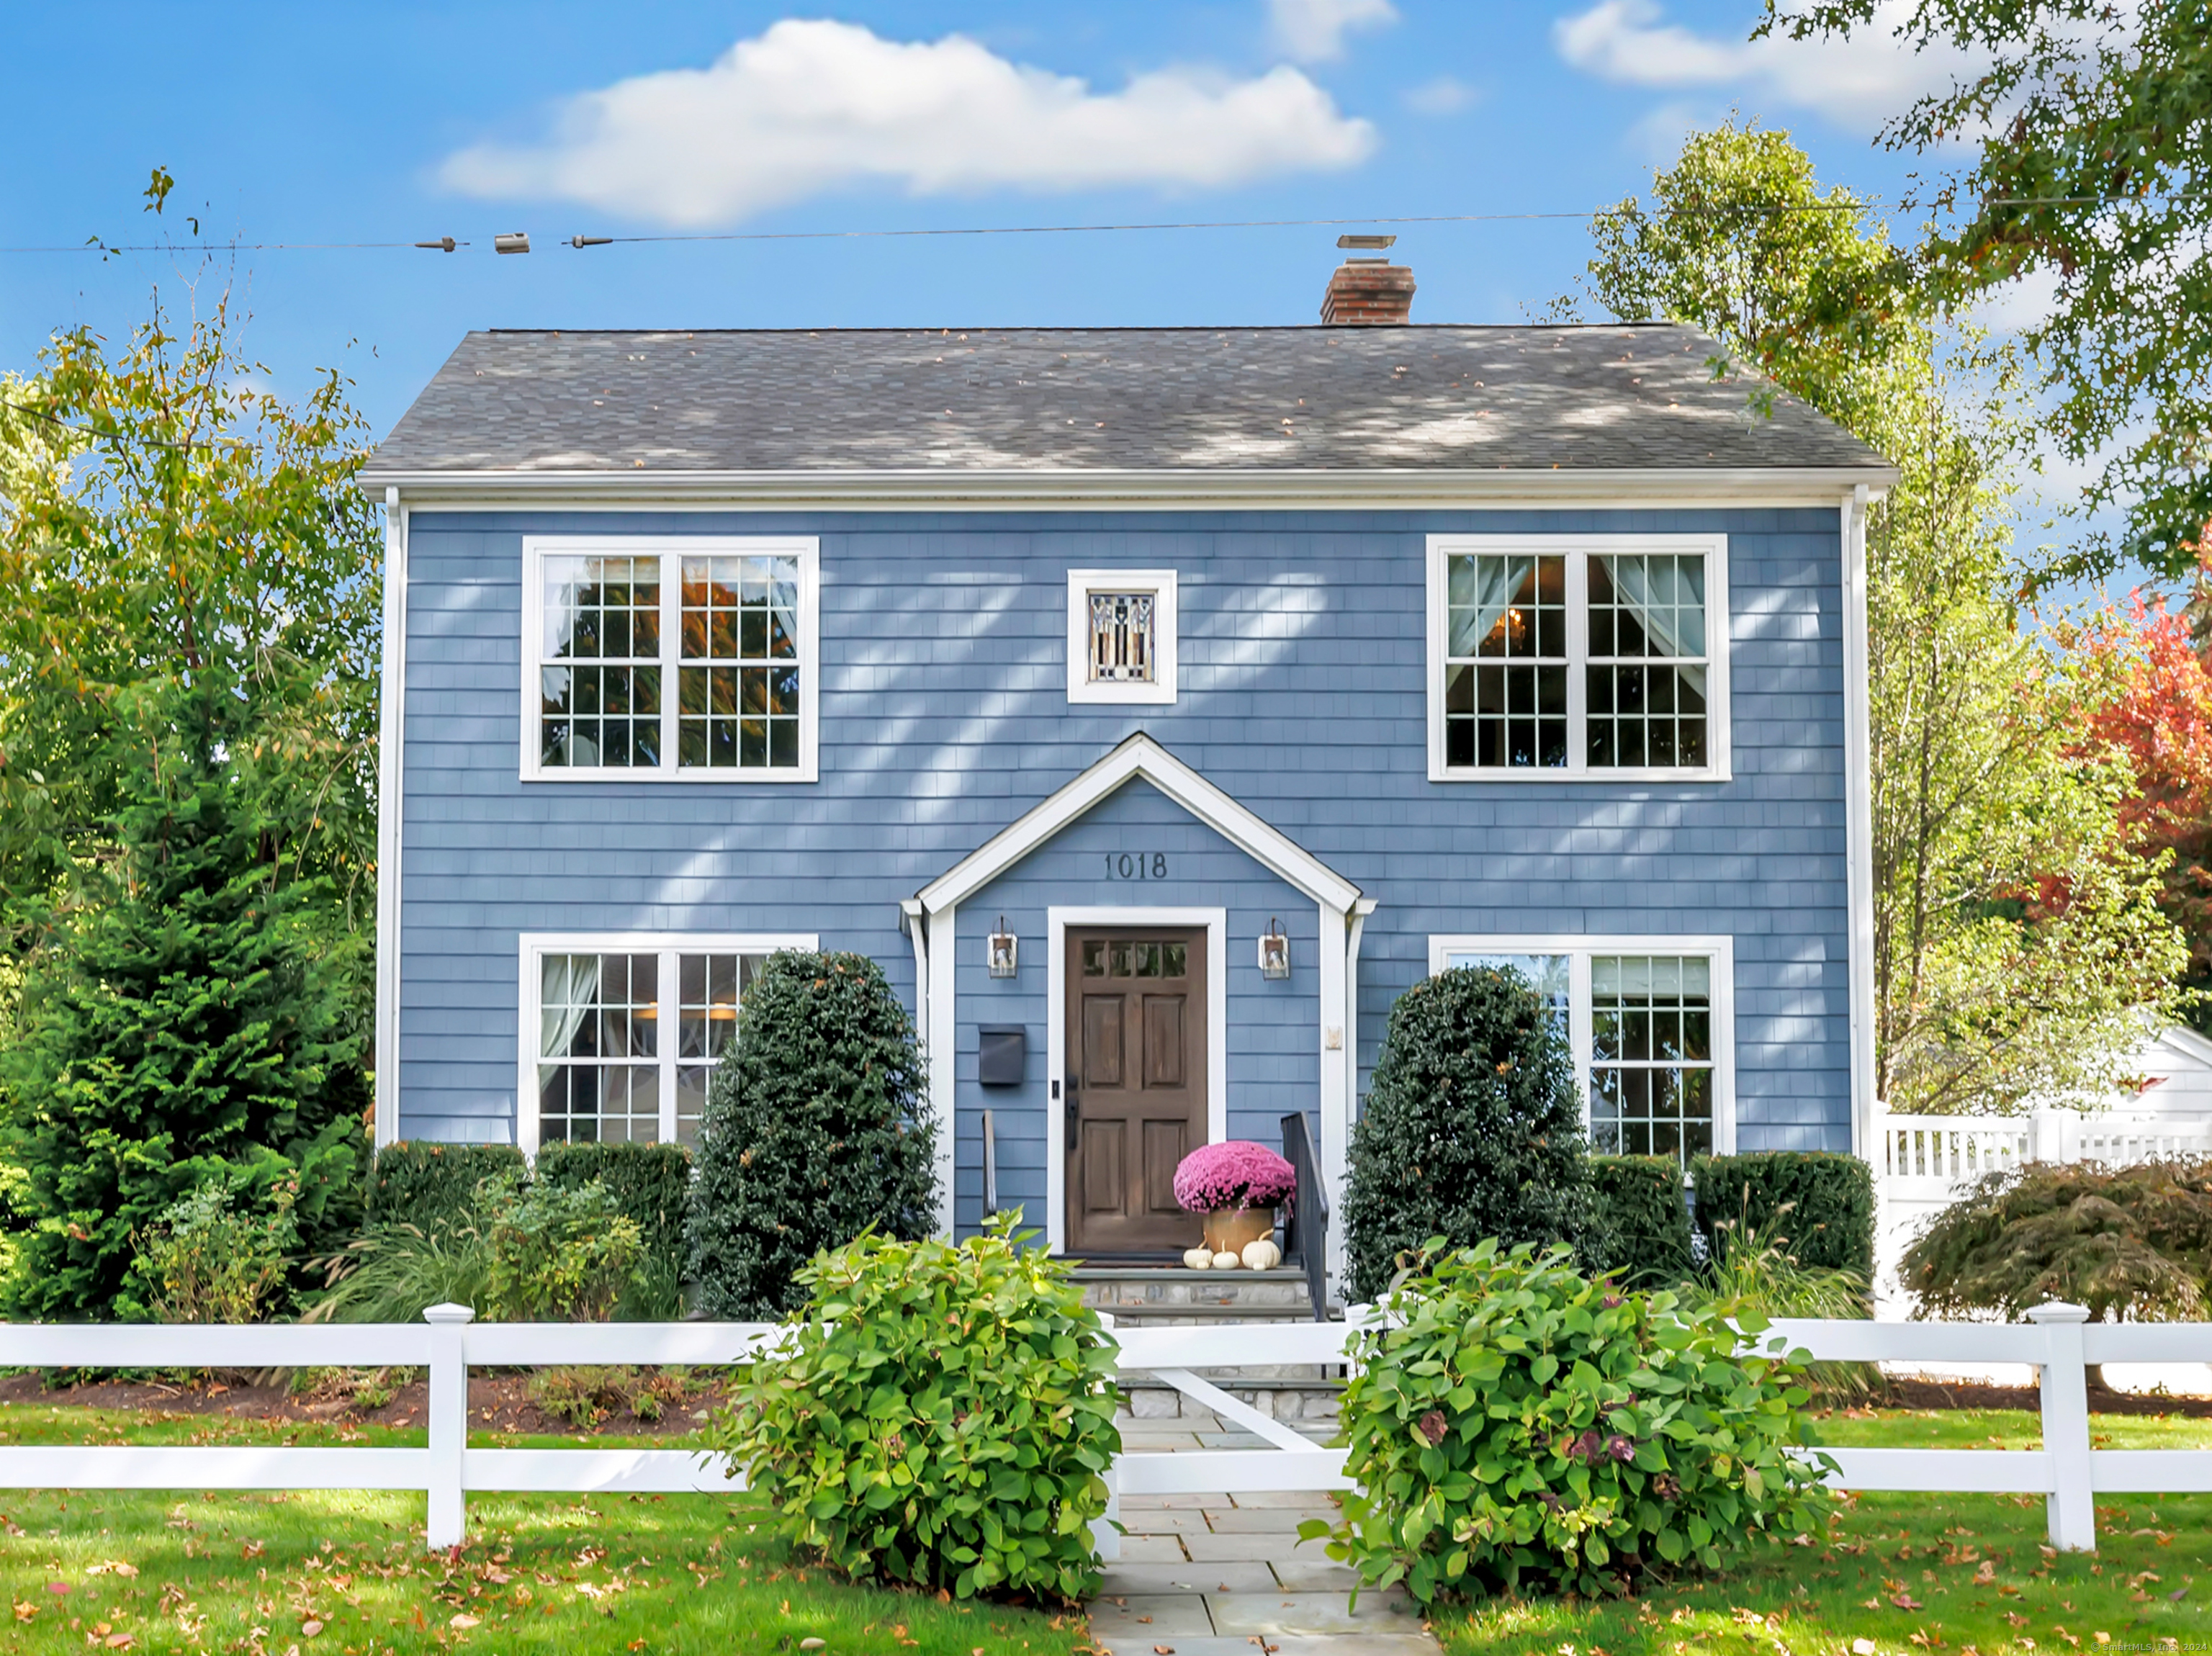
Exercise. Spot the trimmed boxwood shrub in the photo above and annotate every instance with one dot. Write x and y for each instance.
(650, 1184)
(1642, 1220)
(815, 1130)
(1829, 1197)
(434, 1187)
(1473, 1127)
(1515, 1426)
(939, 1415)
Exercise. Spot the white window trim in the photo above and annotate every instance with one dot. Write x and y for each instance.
(806, 549)
(1081, 584)
(1579, 549)
(1578, 950)
(535, 945)
(1057, 920)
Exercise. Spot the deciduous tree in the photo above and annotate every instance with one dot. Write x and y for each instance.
(2015, 941)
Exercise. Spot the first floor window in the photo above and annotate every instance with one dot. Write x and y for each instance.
(664, 657)
(1648, 1020)
(1576, 655)
(625, 1033)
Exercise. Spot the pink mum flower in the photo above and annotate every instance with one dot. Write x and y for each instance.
(1235, 1173)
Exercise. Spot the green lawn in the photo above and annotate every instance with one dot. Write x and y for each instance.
(346, 1573)
(1918, 1573)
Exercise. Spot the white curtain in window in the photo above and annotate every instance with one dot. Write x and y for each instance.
(568, 990)
(1667, 596)
(1482, 589)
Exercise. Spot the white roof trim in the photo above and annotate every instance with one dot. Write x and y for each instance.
(2187, 1041)
(1244, 490)
(1139, 756)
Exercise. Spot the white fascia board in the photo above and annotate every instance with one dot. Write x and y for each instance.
(1140, 756)
(1165, 488)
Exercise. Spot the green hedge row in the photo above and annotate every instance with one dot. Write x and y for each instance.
(1821, 1201)
(1817, 1204)
(1643, 1223)
(434, 1187)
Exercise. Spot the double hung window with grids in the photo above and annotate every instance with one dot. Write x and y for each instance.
(622, 1034)
(1649, 1024)
(660, 658)
(1571, 655)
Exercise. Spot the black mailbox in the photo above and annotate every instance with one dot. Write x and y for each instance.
(1005, 1054)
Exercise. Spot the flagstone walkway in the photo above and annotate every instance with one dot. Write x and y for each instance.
(1226, 1576)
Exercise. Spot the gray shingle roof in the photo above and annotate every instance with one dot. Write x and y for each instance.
(1416, 399)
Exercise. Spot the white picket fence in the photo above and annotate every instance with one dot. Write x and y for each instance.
(1923, 1163)
(2066, 1470)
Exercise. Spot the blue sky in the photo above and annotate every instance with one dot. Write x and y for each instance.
(393, 123)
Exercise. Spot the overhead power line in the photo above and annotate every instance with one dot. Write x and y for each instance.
(519, 242)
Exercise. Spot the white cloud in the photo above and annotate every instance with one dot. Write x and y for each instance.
(812, 106)
(1858, 82)
(1442, 96)
(1313, 31)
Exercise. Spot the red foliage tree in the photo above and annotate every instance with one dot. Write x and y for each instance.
(2151, 701)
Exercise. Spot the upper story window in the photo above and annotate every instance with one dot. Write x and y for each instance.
(1121, 635)
(667, 657)
(1650, 1024)
(1578, 655)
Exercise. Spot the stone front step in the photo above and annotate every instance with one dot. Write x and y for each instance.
(1146, 1289)
(1303, 1395)
(1151, 1297)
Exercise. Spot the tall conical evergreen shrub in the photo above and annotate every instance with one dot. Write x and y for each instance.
(188, 1021)
(1473, 1127)
(816, 1128)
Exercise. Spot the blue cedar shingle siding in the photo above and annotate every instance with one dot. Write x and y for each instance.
(944, 716)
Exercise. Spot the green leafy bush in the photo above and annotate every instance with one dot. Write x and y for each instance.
(557, 1253)
(204, 1261)
(941, 1415)
(1642, 1219)
(2131, 1242)
(435, 1187)
(815, 1130)
(1523, 1428)
(650, 1183)
(1473, 1127)
(1828, 1196)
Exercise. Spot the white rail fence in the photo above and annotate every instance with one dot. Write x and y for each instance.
(2066, 1470)
(1923, 1163)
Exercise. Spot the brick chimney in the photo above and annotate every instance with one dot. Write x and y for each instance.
(1368, 293)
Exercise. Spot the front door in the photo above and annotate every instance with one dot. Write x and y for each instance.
(1136, 1086)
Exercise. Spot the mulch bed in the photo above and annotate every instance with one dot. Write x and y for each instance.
(1970, 1394)
(497, 1403)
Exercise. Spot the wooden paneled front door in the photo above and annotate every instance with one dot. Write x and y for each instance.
(1135, 1101)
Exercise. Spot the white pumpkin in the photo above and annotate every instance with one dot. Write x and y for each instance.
(1225, 1261)
(1198, 1258)
(1261, 1255)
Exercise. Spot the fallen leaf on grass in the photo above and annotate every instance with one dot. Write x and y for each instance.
(113, 1567)
(120, 1641)
(2179, 1594)
(310, 1627)
(1987, 1575)
(24, 1612)
(1862, 1647)
(463, 1620)
(1163, 1650)
(1905, 1601)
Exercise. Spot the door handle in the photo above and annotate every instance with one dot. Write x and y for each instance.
(1074, 1116)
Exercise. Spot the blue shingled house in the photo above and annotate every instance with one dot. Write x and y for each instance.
(1154, 704)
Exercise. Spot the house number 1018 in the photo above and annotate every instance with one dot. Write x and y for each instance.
(1137, 865)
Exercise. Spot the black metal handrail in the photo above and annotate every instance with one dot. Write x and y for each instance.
(1305, 1234)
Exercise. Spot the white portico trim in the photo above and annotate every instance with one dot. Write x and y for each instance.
(930, 916)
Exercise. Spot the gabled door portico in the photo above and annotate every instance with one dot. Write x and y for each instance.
(957, 998)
